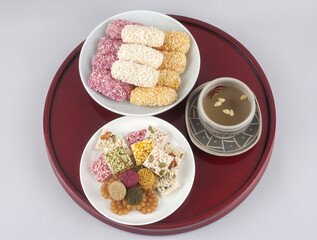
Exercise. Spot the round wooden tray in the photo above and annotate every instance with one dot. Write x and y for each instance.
(71, 117)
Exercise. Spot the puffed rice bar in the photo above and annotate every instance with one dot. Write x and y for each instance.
(148, 36)
(157, 96)
(108, 46)
(103, 62)
(169, 78)
(175, 41)
(166, 185)
(175, 61)
(114, 28)
(100, 169)
(141, 150)
(118, 159)
(140, 54)
(104, 83)
(158, 162)
(175, 152)
(108, 141)
(158, 136)
(134, 73)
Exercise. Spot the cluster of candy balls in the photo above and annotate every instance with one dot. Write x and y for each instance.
(133, 173)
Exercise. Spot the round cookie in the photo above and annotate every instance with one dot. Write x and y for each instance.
(146, 178)
(117, 190)
(134, 195)
(129, 178)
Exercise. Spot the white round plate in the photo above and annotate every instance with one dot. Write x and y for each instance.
(149, 18)
(168, 204)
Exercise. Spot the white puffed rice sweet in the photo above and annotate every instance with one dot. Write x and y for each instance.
(148, 36)
(140, 54)
(134, 73)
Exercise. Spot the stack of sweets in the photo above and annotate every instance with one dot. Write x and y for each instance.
(134, 55)
(128, 184)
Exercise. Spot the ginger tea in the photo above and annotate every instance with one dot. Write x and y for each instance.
(226, 105)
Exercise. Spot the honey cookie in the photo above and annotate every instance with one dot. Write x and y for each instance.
(146, 178)
(117, 190)
(134, 195)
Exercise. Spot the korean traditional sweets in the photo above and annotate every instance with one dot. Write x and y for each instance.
(140, 64)
(137, 169)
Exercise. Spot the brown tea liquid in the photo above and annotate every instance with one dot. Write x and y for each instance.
(226, 105)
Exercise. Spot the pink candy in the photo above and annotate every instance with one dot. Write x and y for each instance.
(103, 82)
(136, 136)
(114, 28)
(100, 169)
(103, 62)
(108, 46)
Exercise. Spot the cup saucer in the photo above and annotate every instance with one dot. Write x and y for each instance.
(215, 145)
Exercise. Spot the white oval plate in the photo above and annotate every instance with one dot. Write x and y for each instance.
(166, 205)
(149, 18)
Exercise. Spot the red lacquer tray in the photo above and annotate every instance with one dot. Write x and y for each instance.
(71, 117)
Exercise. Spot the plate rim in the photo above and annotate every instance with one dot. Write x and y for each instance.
(156, 110)
(143, 119)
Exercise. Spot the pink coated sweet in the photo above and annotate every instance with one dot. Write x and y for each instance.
(108, 46)
(136, 136)
(114, 28)
(100, 169)
(129, 178)
(103, 82)
(103, 62)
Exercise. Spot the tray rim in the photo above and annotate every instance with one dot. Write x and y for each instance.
(195, 221)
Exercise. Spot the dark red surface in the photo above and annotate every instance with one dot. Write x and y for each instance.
(71, 117)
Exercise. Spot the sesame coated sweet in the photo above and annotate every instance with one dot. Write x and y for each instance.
(104, 83)
(135, 136)
(103, 62)
(141, 150)
(158, 162)
(134, 73)
(175, 61)
(114, 28)
(118, 159)
(148, 36)
(140, 54)
(169, 78)
(158, 136)
(157, 96)
(100, 169)
(175, 41)
(108, 141)
(108, 46)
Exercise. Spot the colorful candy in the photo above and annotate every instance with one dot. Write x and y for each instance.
(175, 61)
(133, 73)
(175, 41)
(118, 159)
(148, 36)
(104, 83)
(141, 150)
(168, 78)
(135, 136)
(114, 28)
(140, 54)
(100, 169)
(158, 162)
(157, 96)
(108, 46)
(108, 141)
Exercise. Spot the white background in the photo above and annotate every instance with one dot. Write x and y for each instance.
(36, 36)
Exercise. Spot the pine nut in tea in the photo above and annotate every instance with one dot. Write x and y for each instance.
(226, 105)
